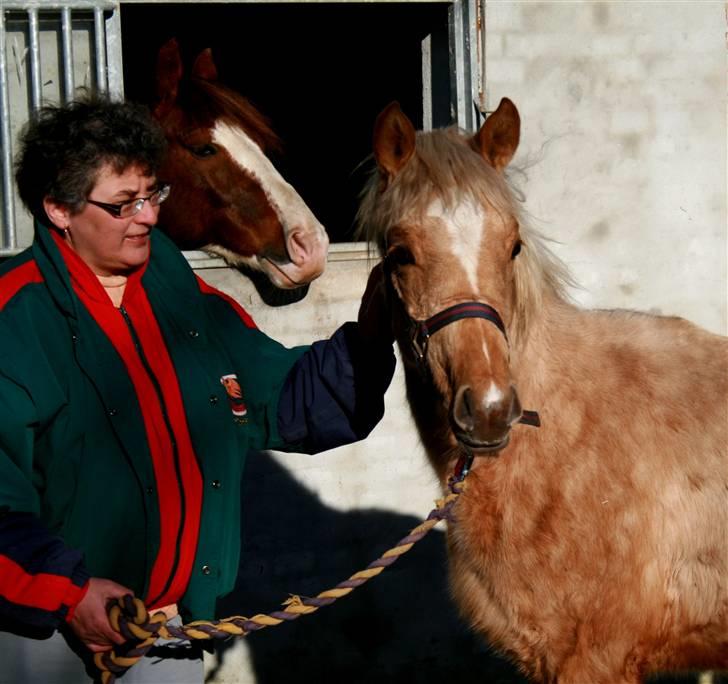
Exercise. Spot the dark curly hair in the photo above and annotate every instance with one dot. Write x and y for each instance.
(63, 149)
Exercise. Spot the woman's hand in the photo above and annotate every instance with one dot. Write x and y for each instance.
(90, 621)
(375, 322)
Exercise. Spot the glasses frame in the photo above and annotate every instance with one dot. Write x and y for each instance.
(137, 203)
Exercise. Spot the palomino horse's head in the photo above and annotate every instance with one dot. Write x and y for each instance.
(228, 198)
(447, 225)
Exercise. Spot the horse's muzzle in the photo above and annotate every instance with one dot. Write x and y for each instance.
(483, 422)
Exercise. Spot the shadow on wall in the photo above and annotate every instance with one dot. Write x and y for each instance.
(399, 627)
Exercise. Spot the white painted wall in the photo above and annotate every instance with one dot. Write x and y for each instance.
(624, 147)
(623, 108)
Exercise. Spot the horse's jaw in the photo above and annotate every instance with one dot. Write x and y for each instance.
(284, 276)
(482, 448)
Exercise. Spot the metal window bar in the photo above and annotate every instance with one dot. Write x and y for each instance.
(466, 35)
(50, 31)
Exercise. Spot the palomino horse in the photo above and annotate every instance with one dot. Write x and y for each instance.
(591, 549)
(228, 198)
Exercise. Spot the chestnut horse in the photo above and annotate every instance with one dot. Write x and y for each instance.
(591, 549)
(227, 197)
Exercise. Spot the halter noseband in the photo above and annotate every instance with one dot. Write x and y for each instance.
(423, 330)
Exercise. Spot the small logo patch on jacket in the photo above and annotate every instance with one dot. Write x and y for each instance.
(235, 397)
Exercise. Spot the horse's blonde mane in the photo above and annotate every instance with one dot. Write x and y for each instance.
(444, 166)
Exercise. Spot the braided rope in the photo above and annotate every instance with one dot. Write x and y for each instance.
(129, 616)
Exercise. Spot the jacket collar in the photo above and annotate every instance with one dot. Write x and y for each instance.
(54, 269)
(167, 278)
(84, 279)
(63, 269)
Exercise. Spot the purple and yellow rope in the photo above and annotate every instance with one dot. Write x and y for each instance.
(130, 617)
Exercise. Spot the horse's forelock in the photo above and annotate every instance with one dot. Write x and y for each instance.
(205, 102)
(445, 167)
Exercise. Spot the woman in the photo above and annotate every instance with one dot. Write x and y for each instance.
(130, 392)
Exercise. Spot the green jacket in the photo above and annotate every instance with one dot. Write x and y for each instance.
(75, 459)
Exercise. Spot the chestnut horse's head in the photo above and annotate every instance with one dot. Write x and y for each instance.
(227, 197)
(447, 224)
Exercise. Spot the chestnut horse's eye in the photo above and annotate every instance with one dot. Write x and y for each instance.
(203, 150)
(399, 255)
(516, 249)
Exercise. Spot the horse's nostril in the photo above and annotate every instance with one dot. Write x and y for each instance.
(463, 409)
(298, 248)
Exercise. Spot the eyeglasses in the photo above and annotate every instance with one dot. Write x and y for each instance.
(133, 207)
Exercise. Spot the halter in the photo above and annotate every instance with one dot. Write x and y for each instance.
(421, 331)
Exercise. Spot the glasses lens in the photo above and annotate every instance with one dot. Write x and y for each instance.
(129, 209)
(161, 194)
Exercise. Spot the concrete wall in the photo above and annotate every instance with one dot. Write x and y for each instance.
(623, 108)
(623, 149)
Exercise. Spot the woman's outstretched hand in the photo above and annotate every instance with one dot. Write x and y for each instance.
(375, 321)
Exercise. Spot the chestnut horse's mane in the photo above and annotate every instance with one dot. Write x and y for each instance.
(206, 101)
(444, 166)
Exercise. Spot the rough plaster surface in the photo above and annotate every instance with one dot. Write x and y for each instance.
(623, 147)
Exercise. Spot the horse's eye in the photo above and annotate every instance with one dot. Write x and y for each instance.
(400, 256)
(203, 150)
(516, 249)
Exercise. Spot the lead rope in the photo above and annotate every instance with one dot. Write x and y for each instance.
(129, 616)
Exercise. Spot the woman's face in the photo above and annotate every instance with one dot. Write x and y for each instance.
(110, 245)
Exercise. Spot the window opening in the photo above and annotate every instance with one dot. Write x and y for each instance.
(321, 72)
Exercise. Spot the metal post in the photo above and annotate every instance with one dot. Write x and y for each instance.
(67, 42)
(34, 43)
(8, 210)
(100, 50)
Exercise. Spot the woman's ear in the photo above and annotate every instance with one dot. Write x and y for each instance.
(59, 214)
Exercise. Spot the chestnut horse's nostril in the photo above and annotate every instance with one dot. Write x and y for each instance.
(514, 415)
(298, 247)
(463, 409)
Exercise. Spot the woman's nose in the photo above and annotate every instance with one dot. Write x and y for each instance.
(148, 213)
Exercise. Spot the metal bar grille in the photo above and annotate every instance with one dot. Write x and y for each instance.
(47, 49)
(67, 42)
(8, 214)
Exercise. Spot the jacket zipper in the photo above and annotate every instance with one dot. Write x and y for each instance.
(175, 451)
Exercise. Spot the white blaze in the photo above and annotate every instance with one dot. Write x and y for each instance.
(494, 395)
(292, 211)
(465, 227)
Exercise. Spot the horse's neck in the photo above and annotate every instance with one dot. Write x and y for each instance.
(543, 342)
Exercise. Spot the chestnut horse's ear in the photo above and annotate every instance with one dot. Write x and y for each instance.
(169, 73)
(498, 137)
(204, 66)
(394, 141)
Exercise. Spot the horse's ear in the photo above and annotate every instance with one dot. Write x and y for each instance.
(394, 141)
(204, 66)
(169, 73)
(498, 137)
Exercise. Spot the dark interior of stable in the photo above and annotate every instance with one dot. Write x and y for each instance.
(321, 72)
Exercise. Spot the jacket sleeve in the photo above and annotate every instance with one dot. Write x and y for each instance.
(309, 398)
(334, 393)
(41, 580)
